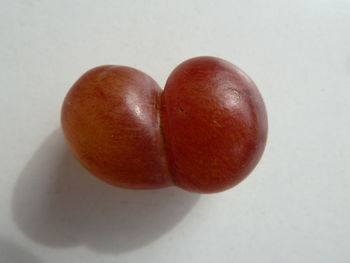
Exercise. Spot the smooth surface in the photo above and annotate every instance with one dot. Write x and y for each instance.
(214, 124)
(111, 121)
(293, 208)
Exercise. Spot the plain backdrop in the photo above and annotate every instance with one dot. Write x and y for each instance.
(293, 208)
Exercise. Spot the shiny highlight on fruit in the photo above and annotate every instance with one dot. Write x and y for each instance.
(204, 133)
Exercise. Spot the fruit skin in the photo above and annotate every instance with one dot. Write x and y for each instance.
(204, 133)
(111, 121)
(215, 124)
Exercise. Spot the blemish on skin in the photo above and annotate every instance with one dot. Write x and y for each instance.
(101, 93)
(182, 110)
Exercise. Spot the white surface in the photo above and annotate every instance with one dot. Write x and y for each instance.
(293, 208)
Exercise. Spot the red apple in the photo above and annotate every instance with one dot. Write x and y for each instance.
(204, 133)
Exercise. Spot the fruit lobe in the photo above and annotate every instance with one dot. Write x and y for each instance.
(215, 124)
(111, 122)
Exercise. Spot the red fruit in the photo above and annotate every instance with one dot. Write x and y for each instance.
(215, 124)
(111, 121)
(205, 134)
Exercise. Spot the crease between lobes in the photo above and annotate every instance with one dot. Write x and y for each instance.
(185, 135)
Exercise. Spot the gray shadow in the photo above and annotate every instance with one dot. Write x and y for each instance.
(10, 252)
(57, 203)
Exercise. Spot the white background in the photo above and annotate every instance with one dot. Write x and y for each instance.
(293, 208)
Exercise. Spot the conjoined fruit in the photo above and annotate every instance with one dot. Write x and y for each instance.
(204, 133)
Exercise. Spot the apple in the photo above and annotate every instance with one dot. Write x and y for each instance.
(204, 133)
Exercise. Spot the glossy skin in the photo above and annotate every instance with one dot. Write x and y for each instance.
(111, 122)
(204, 133)
(215, 124)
